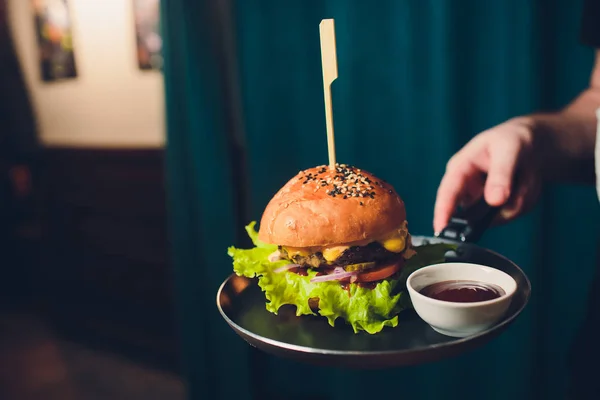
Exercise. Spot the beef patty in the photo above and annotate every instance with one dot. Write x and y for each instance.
(373, 252)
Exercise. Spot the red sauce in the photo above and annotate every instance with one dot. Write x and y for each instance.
(463, 291)
(346, 287)
(368, 285)
(303, 271)
(299, 271)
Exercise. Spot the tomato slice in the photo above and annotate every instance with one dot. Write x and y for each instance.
(379, 273)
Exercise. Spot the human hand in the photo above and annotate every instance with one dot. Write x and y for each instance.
(487, 166)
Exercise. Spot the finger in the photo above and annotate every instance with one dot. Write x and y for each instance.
(503, 161)
(524, 188)
(526, 192)
(473, 190)
(451, 189)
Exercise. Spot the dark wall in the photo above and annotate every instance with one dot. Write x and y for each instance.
(103, 273)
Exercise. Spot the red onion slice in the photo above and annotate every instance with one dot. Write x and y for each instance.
(334, 277)
(286, 267)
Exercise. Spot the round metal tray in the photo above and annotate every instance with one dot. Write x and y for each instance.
(311, 339)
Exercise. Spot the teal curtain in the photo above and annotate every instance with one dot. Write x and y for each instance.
(417, 79)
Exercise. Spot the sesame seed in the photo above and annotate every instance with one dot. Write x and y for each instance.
(344, 180)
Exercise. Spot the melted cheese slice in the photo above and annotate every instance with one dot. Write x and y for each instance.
(298, 251)
(395, 243)
(330, 254)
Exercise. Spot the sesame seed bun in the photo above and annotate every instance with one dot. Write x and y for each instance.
(323, 207)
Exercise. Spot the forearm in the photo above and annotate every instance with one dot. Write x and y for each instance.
(566, 139)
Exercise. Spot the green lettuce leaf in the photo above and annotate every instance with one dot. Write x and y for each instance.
(365, 309)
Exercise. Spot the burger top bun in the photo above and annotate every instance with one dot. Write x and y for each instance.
(323, 207)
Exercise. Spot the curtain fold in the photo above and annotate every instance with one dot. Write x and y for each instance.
(202, 197)
(417, 79)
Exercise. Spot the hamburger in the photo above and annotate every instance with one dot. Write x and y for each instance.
(334, 242)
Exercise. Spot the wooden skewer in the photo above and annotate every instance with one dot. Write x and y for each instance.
(330, 74)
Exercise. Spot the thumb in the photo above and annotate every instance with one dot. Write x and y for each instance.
(503, 162)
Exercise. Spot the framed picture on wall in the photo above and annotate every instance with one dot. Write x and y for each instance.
(148, 35)
(53, 26)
